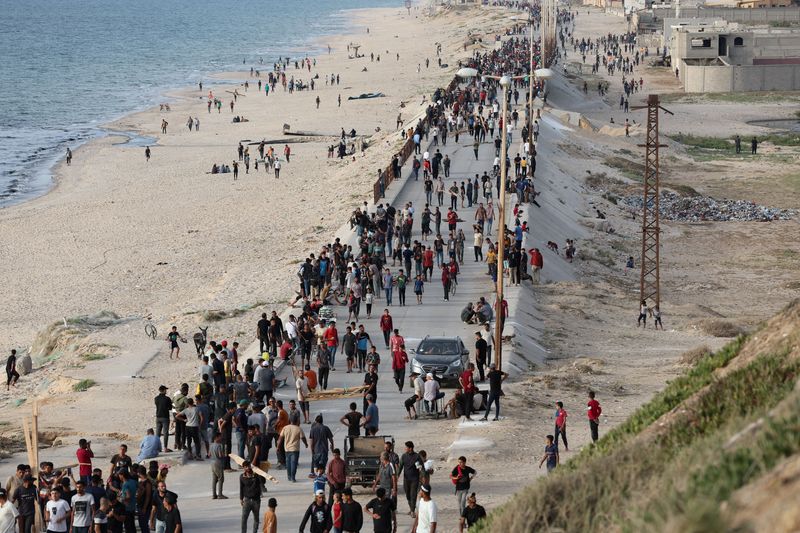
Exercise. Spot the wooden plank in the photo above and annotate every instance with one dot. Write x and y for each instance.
(239, 460)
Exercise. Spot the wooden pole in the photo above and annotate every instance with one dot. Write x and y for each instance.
(35, 464)
(501, 232)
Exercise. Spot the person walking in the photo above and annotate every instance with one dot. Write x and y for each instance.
(550, 454)
(561, 424)
(427, 517)
(472, 513)
(594, 411)
(250, 497)
(318, 515)
(382, 511)
(290, 438)
(270, 518)
(462, 476)
(12, 376)
(387, 325)
(399, 361)
(410, 466)
(496, 378)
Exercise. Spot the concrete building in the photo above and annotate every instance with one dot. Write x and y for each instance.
(727, 57)
(750, 4)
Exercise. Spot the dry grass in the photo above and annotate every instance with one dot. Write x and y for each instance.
(693, 356)
(719, 328)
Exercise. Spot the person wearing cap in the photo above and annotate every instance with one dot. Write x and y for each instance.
(24, 497)
(270, 519)
(8, 514)
(318, 515)
(427, 511)
(432, 393)
(163, 407)
(352, 515)
(496, 378)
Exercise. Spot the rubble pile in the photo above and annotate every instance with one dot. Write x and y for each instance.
(673, 206)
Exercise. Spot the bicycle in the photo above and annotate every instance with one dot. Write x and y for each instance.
(150, 328)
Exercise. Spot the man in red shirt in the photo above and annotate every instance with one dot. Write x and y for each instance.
(336, 473)
(84, 455)
(467, 383)
(594, 411)
(386, 326)
(427, 264)
(331, 338)
(446, 281)
(452, 219)
(537, 262)
(399, 360)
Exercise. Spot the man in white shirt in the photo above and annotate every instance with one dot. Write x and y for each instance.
(82, 508)
(57, 513)
(427, 511)
(8, 514)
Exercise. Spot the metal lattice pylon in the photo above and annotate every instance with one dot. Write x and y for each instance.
(650, 280)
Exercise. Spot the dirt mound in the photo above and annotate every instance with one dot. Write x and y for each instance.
(69, 336)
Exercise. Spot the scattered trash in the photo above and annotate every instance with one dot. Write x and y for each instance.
(673, 206)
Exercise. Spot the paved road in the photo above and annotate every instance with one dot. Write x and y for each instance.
(434, 317)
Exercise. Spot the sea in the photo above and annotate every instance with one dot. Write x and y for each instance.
(69, 67)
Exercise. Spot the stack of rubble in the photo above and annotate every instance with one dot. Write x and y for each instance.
(673, 206)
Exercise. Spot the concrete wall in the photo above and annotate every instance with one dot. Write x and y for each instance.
(715, 79)
(744, 15)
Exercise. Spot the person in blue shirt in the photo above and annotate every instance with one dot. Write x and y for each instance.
(150, 446)
(550, 454)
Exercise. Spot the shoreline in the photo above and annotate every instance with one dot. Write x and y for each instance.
(51, 173)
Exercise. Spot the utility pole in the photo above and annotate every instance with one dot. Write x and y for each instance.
(530, 90)
(650, 278)
(504, 83)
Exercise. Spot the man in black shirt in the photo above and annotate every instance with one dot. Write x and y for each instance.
(410, 466)
(24, 497)
(371, 382)
(382, 511)
(250, 496)
(471, 514)
(480, 353)
(262, 333)
(319, 513)
(353, 422)
(158, 510)
(352, 515)
(496, 378)
(163, 408)
(172, 516)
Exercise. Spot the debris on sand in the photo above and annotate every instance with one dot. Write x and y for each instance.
(673, 206)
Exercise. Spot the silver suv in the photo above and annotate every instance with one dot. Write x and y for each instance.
(447, 357)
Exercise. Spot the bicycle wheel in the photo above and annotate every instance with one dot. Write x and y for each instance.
(150, 331)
